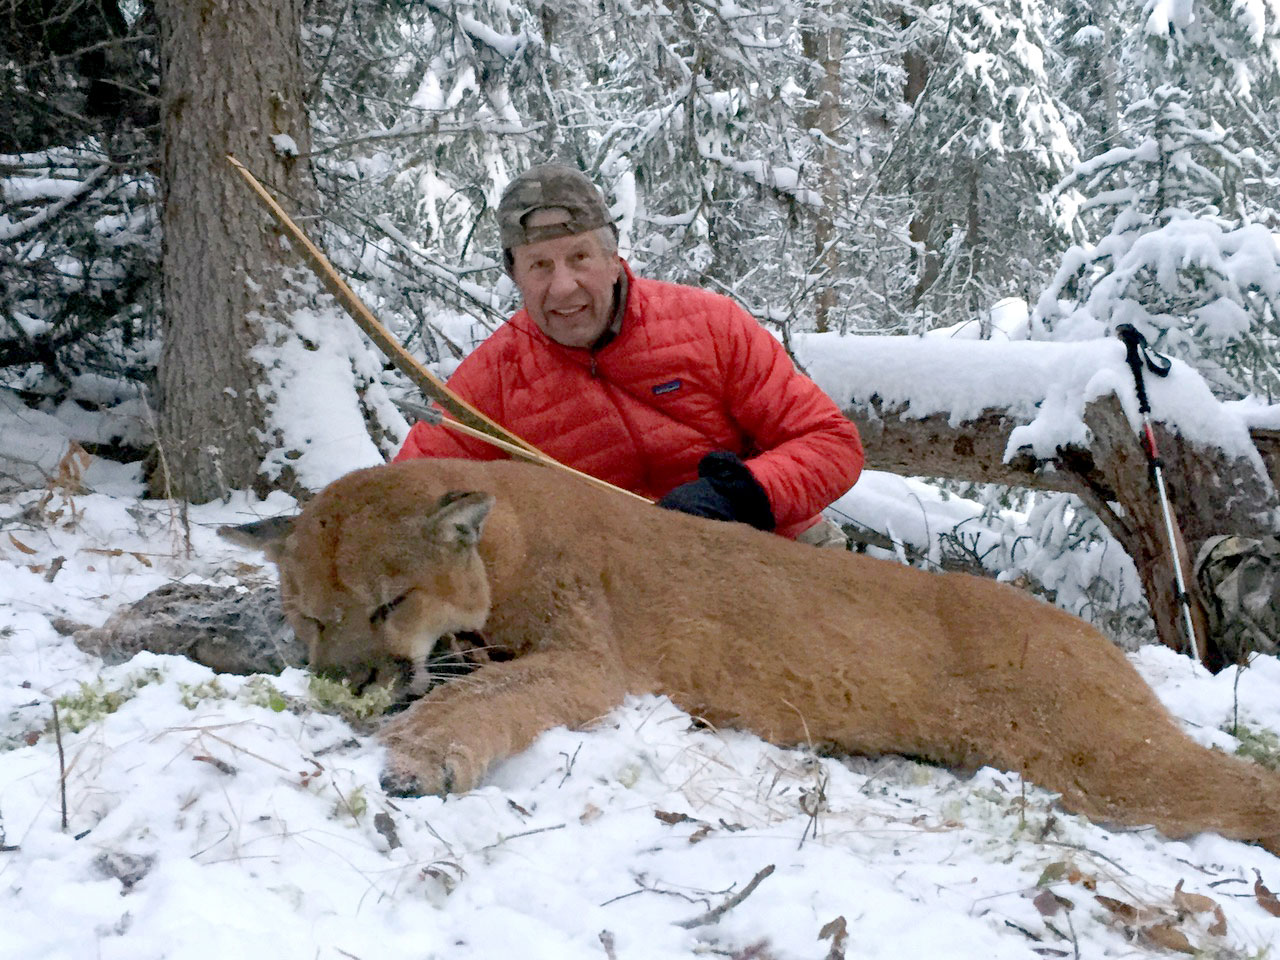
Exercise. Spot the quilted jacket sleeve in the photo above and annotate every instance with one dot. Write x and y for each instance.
(476, 382)
(810, 453)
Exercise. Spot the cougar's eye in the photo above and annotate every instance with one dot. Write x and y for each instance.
(384, 611)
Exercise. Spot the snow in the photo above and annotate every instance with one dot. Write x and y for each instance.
(284, 145)
(33, 445)
(321, 433)
(204, 823)
(1164, 14)
(1046, 384)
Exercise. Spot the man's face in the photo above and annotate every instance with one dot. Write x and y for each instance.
(566, 282)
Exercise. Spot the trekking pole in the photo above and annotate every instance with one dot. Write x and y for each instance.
(1138, 353)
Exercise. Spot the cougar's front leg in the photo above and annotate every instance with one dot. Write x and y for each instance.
(445, 742)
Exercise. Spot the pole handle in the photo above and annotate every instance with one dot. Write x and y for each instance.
(1133, 343)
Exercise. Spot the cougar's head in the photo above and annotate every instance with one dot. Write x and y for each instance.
(372, 590)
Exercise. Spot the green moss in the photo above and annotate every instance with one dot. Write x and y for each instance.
(95, 700)
(353, 805)
(331, 696)
(193, 693)
(261, 692)
(1260, 746)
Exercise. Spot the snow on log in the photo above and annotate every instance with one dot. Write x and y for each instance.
(1063, 416)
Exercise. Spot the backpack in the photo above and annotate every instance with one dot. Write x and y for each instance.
(1239, 579)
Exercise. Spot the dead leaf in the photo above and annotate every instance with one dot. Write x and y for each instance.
(54, 568)
(1050, 903)
(1193, 902)
(700, 834)
(589, 813)
(1047, 903)
(1168, 936)
(1053, 873)
(1266, 899)
(1078, 877)
(443, 872)
(1219, 926)
(673, 818)
(21, 546)
(71, 468)
(837, 931)
(385, 825)
(1125, 911)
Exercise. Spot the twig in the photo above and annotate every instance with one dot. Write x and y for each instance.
(527, 833)
(654, 889)
(220, 765)
(1089, 850)
(711, 916)
(5, 846)
(62, 765)
(570, 761)
(1075, 942)
(813, 802)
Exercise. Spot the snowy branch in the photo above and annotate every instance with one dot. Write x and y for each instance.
(10, 232)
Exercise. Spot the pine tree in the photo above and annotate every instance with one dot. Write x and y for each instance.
(1194, 280)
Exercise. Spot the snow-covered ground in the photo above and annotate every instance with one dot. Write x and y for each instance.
(220, 816)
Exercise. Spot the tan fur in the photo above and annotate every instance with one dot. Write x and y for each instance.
(599, 597)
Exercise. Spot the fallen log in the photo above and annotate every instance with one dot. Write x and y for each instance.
(1216, 485)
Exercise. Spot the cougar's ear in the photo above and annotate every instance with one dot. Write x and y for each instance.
(265, 535)
(459, 518)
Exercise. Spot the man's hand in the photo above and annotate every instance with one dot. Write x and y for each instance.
(724, 490)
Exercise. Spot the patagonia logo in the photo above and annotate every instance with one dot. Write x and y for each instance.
(669, 387)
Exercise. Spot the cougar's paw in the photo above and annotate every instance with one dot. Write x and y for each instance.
(432, 773)
(400, 783)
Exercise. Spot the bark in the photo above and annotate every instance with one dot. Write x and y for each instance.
(916, 67)
(231, 79)
(1268, 443)
(1209, 492)
(826, 50)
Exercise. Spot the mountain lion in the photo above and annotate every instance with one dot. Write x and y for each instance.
(585, 597)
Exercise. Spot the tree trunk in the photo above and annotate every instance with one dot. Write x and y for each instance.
(1210, 493)
(927, 259)
(231, 80)
(825, 49)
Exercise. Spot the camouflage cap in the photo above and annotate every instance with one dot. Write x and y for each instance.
(550, 186)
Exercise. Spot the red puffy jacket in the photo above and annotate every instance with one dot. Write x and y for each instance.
(689, 372)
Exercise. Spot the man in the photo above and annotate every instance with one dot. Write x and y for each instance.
(671, 392)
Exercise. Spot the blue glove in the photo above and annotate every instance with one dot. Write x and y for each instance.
(725, 490)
